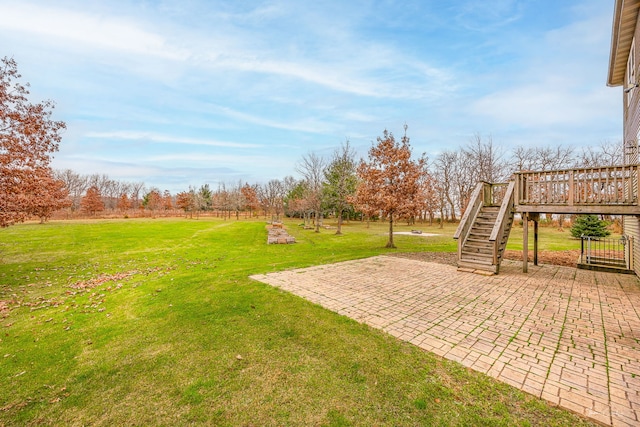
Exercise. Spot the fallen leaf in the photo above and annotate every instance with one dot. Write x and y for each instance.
(239, 357)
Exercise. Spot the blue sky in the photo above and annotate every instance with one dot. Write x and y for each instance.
(180, 93)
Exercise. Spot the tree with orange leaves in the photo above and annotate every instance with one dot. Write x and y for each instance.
(390, 182)
(152, 201)
(28, 136)
(251, 200)
(124, 203)
(92, 202)
(167, 200)
(47, 196)
(186, 200)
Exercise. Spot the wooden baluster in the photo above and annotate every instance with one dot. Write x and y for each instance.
(609, 185)
(571, 189)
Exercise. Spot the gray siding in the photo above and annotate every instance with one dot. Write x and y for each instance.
(631, 110)
(632, 228)
(631, 114)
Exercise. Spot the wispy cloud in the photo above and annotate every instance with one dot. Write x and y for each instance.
(165, 138)
(86, 29)
(245, 88)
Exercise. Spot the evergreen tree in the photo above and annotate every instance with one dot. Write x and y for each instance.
(589, 225)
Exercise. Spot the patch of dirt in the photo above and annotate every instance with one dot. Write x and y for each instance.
(566, 258)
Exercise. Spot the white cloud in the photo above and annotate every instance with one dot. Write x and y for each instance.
(365, 68)
(544, 105)
(163, 138)
(88, 29)
(559, 82)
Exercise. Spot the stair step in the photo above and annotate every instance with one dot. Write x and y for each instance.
(476, 249)
(479, 239)
(483, 243)
(477, 252)
(478, 258)
(485, 224)
(482, 230)
(476, 267)
(465, 253)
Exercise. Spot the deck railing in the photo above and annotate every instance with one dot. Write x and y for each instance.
(503, 220)
(487, 194)
(610, 185)
(469, 216)
(616, 253)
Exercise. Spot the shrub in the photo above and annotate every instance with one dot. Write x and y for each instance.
(589, 225)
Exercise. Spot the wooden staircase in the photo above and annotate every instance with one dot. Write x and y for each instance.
(484, 230)
(477, 251)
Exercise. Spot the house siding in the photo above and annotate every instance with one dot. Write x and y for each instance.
(632, 107)
(631, 111)
(632, 228)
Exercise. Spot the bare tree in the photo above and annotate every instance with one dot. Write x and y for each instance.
(606, 154)
(554, 158)
(137, 188)
(340, 181)
(311, 167)
(485, 161)
(75, 184)
(274, 193)
(523, 159)
(445, 175)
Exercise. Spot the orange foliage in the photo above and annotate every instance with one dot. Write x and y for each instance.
(391, 182)
(28, 136)
(92, 202)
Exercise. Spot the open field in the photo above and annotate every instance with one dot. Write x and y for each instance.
(155, 322)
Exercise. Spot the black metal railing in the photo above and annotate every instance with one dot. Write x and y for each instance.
(606, 252)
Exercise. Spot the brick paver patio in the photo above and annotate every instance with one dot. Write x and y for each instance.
(569, 336)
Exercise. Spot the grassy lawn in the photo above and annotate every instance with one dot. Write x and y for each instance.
(549, 239)
(155, 322)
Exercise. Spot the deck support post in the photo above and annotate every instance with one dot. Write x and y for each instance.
(525, 241)
(536, 218)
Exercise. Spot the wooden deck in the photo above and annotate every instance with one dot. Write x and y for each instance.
(611, 190)
(606, 190)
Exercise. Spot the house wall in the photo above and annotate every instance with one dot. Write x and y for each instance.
(631, 107)
(632, 228)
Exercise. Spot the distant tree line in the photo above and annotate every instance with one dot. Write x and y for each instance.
(389, 184)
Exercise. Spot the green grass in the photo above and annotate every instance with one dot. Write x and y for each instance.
(155, 322)
(549, 238)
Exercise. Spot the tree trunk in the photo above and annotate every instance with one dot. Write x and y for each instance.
(390, 242)
(339, 223)
(317, 222)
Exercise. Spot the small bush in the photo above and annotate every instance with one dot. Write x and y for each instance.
(589, 225)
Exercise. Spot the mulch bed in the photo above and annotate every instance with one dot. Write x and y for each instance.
(566, 258)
